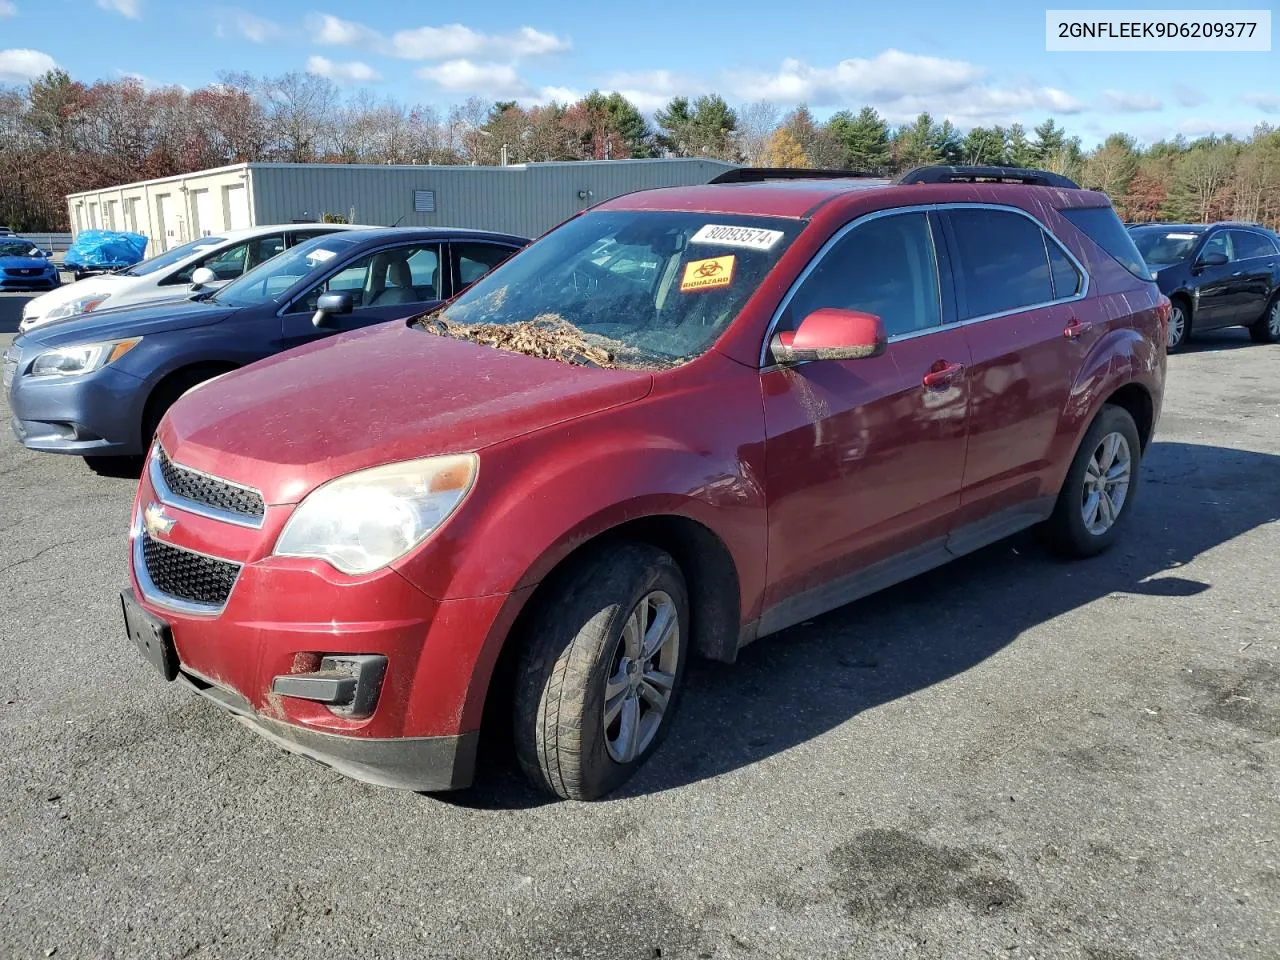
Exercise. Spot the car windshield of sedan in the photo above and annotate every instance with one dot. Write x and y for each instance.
(621, 288)
(269, 280)
(18, 248)
(172, 256)
(1161, 246)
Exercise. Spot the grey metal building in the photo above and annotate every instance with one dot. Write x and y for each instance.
(525, 199)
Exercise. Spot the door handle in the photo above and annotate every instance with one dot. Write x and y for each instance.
(942, 374)
(1075, 327)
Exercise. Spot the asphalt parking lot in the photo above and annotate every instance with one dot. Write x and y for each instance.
(1010, 757)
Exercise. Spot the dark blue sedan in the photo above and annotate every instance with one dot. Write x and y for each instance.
(24, 266)
(98, 384)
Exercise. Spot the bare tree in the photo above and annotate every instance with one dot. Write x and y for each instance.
(756, 125)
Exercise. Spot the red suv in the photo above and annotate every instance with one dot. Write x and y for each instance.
(682, 420)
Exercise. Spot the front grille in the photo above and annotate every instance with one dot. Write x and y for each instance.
(188, 576)
(202, 488)
(24, 271)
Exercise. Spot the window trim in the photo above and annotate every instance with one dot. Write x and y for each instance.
(767, 363)
(1255, 235)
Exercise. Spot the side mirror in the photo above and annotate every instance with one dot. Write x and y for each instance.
(202, 277)
(1212, 260)
(331, 305)
(831, 334)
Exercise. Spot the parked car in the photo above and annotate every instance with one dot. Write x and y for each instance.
(172, 274)
(1215, 275)
(97, 385)
(24, 266)
(679, 422)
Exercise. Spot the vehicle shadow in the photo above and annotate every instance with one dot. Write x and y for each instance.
(11, 311)
(801, 683)
(1226, 338)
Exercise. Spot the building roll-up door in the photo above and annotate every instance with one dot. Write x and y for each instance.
(236, 203)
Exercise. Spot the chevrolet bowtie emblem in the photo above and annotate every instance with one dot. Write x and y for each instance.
(156, 521)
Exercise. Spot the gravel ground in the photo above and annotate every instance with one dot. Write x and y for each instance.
(1010, 757)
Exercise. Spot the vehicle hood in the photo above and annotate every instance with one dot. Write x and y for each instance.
(138, 321)
(387, 393)
(23, 263)
(106, 283)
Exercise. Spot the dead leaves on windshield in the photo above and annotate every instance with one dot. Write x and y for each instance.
(547, 336)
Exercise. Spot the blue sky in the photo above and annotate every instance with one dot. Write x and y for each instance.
(974, 63)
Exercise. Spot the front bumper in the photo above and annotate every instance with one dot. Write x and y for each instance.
(46, 281)
(98, 413)
(421, 764)
(281, 615)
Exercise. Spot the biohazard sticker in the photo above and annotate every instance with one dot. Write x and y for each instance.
(752, 238)
(707, 274)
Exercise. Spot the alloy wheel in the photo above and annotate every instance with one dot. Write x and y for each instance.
(1177, 327)
(1273, 321)
(639, 686)
(1106, 483)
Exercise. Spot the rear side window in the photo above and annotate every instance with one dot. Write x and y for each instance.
(885, 266)
(1066, 278)
(1251, 245)
(1104, 228)
(1000, 262)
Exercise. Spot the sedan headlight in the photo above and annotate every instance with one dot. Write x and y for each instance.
(363, 521)
(80, 359)
(77, 306)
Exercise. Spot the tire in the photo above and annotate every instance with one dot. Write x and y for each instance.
(1068, 530)
(1266, 329)
(166, 394)
(1181, 316)
(574, 647)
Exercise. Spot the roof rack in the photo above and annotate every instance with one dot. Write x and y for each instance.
(761, 174)
(945, 174)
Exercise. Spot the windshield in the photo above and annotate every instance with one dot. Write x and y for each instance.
(18, 248)
(622, 288)
(1163, 246)
(172, 256)
(269, 280)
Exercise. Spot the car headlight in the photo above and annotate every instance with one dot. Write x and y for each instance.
(82, 358)
(363, 521)
(77, 306)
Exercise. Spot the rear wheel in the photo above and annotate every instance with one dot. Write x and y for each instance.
(1179, 326)
(1097, 496)
(1266, 329)
(600, 676)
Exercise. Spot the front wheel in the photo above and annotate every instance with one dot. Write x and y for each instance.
(1179, 327)
(1097, 496)
(601, 672)
(1266, 329)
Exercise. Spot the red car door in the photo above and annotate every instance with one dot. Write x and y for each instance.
(863, 460)
(1016, 295)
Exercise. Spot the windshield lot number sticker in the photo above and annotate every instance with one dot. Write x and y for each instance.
(753, 238)
(707, 274)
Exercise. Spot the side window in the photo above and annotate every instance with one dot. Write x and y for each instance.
(885, 266)
(1251, 245)
(226, 264)
(407, 274)
(1000, 262)
(476, 259)
(264, 248)
(1218, 243)
(1066, 278)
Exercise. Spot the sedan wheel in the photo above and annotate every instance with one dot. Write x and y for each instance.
(1177, 328)
(644, 673)
(1267, 329)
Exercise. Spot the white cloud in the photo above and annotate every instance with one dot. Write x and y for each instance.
(19, 65)
(1203, 127)
(126, 8)
(496, 80)
(353, 71)
(452, 41)
(248, 26)
(886, 77)
(558, 95)
(8, 9)
(651, 90)
(1122, 102)
(1266, 102)
(1188, 96)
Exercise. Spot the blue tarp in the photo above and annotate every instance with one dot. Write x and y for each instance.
(105, 249)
